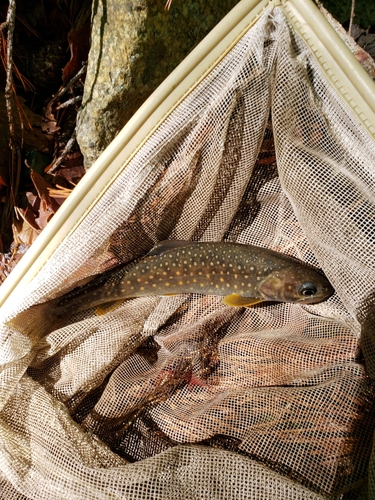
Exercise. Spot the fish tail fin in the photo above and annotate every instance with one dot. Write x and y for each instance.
(36, 321)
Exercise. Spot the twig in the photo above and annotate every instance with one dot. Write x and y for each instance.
(64, 154)
(11, 15)
(73, 100)
(352, 14)
(15, 165)
(70, 84)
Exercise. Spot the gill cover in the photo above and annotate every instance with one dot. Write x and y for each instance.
(296, 284)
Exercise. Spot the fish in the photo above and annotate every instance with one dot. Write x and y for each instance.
(244, 275)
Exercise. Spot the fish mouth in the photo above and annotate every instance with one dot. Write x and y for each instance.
(312, 300)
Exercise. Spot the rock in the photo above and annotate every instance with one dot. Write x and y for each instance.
(367, 41)
(135, 44)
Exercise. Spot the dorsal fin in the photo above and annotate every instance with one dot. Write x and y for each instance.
(168, 245)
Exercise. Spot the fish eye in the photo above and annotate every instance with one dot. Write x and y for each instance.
(307, 289)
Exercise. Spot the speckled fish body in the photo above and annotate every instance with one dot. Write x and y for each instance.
(242, 274)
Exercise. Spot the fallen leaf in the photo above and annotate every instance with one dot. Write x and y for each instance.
(23, 232)
(49, 123)
(47, 203)
(32, 200)
(44, 217)
(59, 194)
(27, 216)
(72, 175)
(79, 43)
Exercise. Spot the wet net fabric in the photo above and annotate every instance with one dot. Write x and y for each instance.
(183, 397)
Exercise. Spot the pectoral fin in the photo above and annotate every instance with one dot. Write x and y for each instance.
(107, 307)
(236, 300)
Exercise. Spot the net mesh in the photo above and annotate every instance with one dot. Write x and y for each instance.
(184, 397)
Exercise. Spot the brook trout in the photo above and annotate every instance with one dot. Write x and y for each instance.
(243, 274)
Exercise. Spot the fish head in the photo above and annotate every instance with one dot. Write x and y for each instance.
(297, 284)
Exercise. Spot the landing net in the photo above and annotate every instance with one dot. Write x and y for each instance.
(183, 397)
